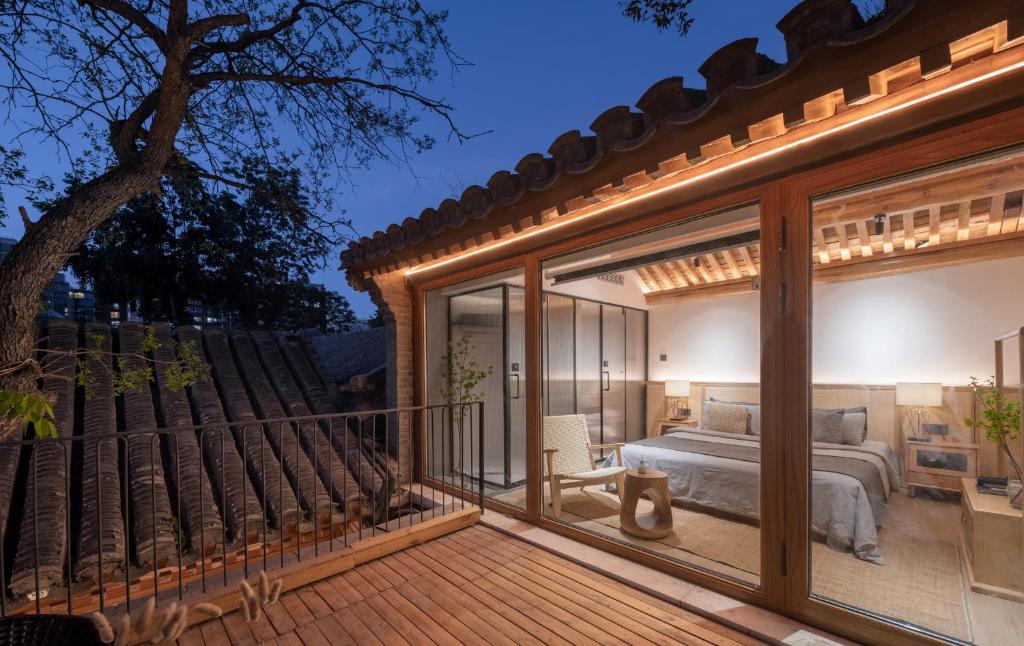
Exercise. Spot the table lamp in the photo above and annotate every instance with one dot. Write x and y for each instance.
(917, 397)
(679, 391)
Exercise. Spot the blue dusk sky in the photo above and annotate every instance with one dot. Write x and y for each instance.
(540, 68)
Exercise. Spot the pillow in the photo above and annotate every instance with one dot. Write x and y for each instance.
(754, 422)
(855, 425)
(827, 425)
(726, 418)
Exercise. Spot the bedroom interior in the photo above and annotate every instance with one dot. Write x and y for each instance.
(913, 280)
(744, 336)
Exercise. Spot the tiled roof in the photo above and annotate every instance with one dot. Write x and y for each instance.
(343, 356)
(816, 32)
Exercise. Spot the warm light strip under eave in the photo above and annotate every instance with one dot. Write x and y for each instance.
(686, 181)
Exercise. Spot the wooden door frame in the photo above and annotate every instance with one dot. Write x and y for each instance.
(785, 362)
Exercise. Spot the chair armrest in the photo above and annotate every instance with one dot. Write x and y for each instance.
(613, 445)
(550, 451)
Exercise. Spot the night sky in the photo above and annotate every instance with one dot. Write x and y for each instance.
(540, 68)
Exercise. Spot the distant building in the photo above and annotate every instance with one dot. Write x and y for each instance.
(60, 299)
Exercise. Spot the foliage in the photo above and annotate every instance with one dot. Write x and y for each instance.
(335, 84)
(662, 13)
(247, 253)
(461, 374)
(187, 369)
(999, 417)
(26, 408)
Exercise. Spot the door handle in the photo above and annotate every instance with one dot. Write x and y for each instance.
(607, 375)
(516, 375)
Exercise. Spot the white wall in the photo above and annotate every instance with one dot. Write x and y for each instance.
(934, 325)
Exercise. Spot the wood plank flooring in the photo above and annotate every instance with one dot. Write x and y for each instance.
(476, 586)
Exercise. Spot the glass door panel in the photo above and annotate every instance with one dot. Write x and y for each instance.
(914, 283)
(613, 375)
(680, 303)
(484, 317)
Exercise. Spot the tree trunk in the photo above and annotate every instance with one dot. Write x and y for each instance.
(40, 254)
(44, 248)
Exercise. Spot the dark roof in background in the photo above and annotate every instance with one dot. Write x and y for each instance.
(343, 356)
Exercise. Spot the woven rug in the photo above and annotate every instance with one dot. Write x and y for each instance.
(920, 582)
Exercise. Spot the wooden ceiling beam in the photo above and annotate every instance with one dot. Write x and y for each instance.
(819, 241)
(933, 226)
(995, 214)
(864, 239)
(748, 261)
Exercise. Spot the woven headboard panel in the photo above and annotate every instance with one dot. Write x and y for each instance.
(884, 418)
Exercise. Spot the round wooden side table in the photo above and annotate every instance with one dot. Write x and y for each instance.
(657, 523)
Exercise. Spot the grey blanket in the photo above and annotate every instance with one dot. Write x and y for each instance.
(863, 471)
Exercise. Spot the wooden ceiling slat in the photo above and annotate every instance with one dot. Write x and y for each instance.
(864, 239)
(687, 270)
(995, 214)
(887, 246)
(716, 269)
(963, 216)
(662, 276)
(822, 247)
(748, 261)
(933, 226)
(844, 241)
(909, 231)
(730, 261)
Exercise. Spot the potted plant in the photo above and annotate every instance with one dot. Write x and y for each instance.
(460, 381)
(1000, 419)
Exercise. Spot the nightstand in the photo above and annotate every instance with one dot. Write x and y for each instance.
(665, 423)
(990, 543)
(940, 465)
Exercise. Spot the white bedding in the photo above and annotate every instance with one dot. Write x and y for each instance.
(840, 507)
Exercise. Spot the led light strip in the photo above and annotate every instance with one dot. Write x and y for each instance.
(723, 169)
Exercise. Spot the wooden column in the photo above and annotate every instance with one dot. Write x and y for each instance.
(785, 380)
(534, 493)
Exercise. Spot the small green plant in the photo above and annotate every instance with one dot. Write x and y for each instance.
(461, 374)
(28, 409)
(461, 377)
(998, 416)
(20, 408)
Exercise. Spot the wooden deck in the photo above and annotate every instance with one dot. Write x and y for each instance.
(476, 586)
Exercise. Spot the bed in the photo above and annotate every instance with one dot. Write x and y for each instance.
(850, 486)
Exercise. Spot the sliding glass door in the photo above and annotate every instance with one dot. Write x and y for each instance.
(679, 304)
(480, 325)
(915, 426)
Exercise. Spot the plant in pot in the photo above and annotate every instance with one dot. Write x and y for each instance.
(1000, 419)
(461, 378)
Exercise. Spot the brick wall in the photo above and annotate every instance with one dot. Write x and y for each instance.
(393, 297)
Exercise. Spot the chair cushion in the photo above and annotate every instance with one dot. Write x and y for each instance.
(568, 435)
(597, 474)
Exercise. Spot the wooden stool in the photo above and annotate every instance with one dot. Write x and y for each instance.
(658, 523)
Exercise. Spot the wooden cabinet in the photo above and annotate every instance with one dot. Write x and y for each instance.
(940, 465)
(664, 424)
(992, 543)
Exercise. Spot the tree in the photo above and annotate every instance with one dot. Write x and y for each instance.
(152, 83)
(244, 253)
(662, 13)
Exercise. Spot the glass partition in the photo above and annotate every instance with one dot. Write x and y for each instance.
(475, 350)
(915, 423)
(628, 452)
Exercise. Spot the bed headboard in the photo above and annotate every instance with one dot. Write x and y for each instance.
(884, 418)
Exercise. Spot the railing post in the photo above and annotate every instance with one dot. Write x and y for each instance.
(481, 449)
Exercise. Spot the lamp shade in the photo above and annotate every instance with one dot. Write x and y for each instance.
(677, 388)
(918, 394)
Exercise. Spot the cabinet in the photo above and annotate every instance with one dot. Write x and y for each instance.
(991, 538)
(940, 465)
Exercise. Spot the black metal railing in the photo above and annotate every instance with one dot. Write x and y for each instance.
(71, 557)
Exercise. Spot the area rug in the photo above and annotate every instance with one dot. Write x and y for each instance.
(920, 582)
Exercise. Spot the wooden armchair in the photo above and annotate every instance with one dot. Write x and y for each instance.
(569, 460)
